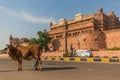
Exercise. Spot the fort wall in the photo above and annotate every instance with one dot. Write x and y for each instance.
(96, 31)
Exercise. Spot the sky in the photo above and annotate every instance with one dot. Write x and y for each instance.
(24, 18)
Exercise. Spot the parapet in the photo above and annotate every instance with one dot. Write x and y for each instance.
(78, 17)
(61, 21)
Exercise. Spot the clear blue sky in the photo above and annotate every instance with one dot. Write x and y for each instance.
(24, 18)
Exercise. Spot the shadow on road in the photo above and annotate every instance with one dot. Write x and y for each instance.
(7, 70)
(58, 68)
(44, 69)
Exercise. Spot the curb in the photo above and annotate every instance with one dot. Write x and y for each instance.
(79, 59)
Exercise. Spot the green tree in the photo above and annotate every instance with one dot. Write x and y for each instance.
(33, 41)
(43, 39)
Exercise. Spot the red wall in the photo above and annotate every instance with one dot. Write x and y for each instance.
(106, 53)
(60, 54)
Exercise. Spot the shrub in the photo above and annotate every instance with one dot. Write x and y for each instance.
(115, 48)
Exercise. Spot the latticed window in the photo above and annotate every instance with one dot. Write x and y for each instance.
(84, 39)
(96, 39)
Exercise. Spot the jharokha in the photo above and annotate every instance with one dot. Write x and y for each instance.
(96, 31)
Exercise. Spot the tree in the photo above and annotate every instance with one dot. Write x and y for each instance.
(43, 39)
(33, 41)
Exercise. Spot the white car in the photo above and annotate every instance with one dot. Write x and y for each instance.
(83, 53)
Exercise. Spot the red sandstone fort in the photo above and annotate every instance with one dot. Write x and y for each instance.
(96, 31)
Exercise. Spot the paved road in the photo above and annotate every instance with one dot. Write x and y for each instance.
(60, 71)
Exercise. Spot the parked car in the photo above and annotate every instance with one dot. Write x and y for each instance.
(83, 53)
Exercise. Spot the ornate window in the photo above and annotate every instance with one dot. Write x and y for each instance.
(96, 39)
(90, 30)
(69, 35)
(84, 40)
(82, 31)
